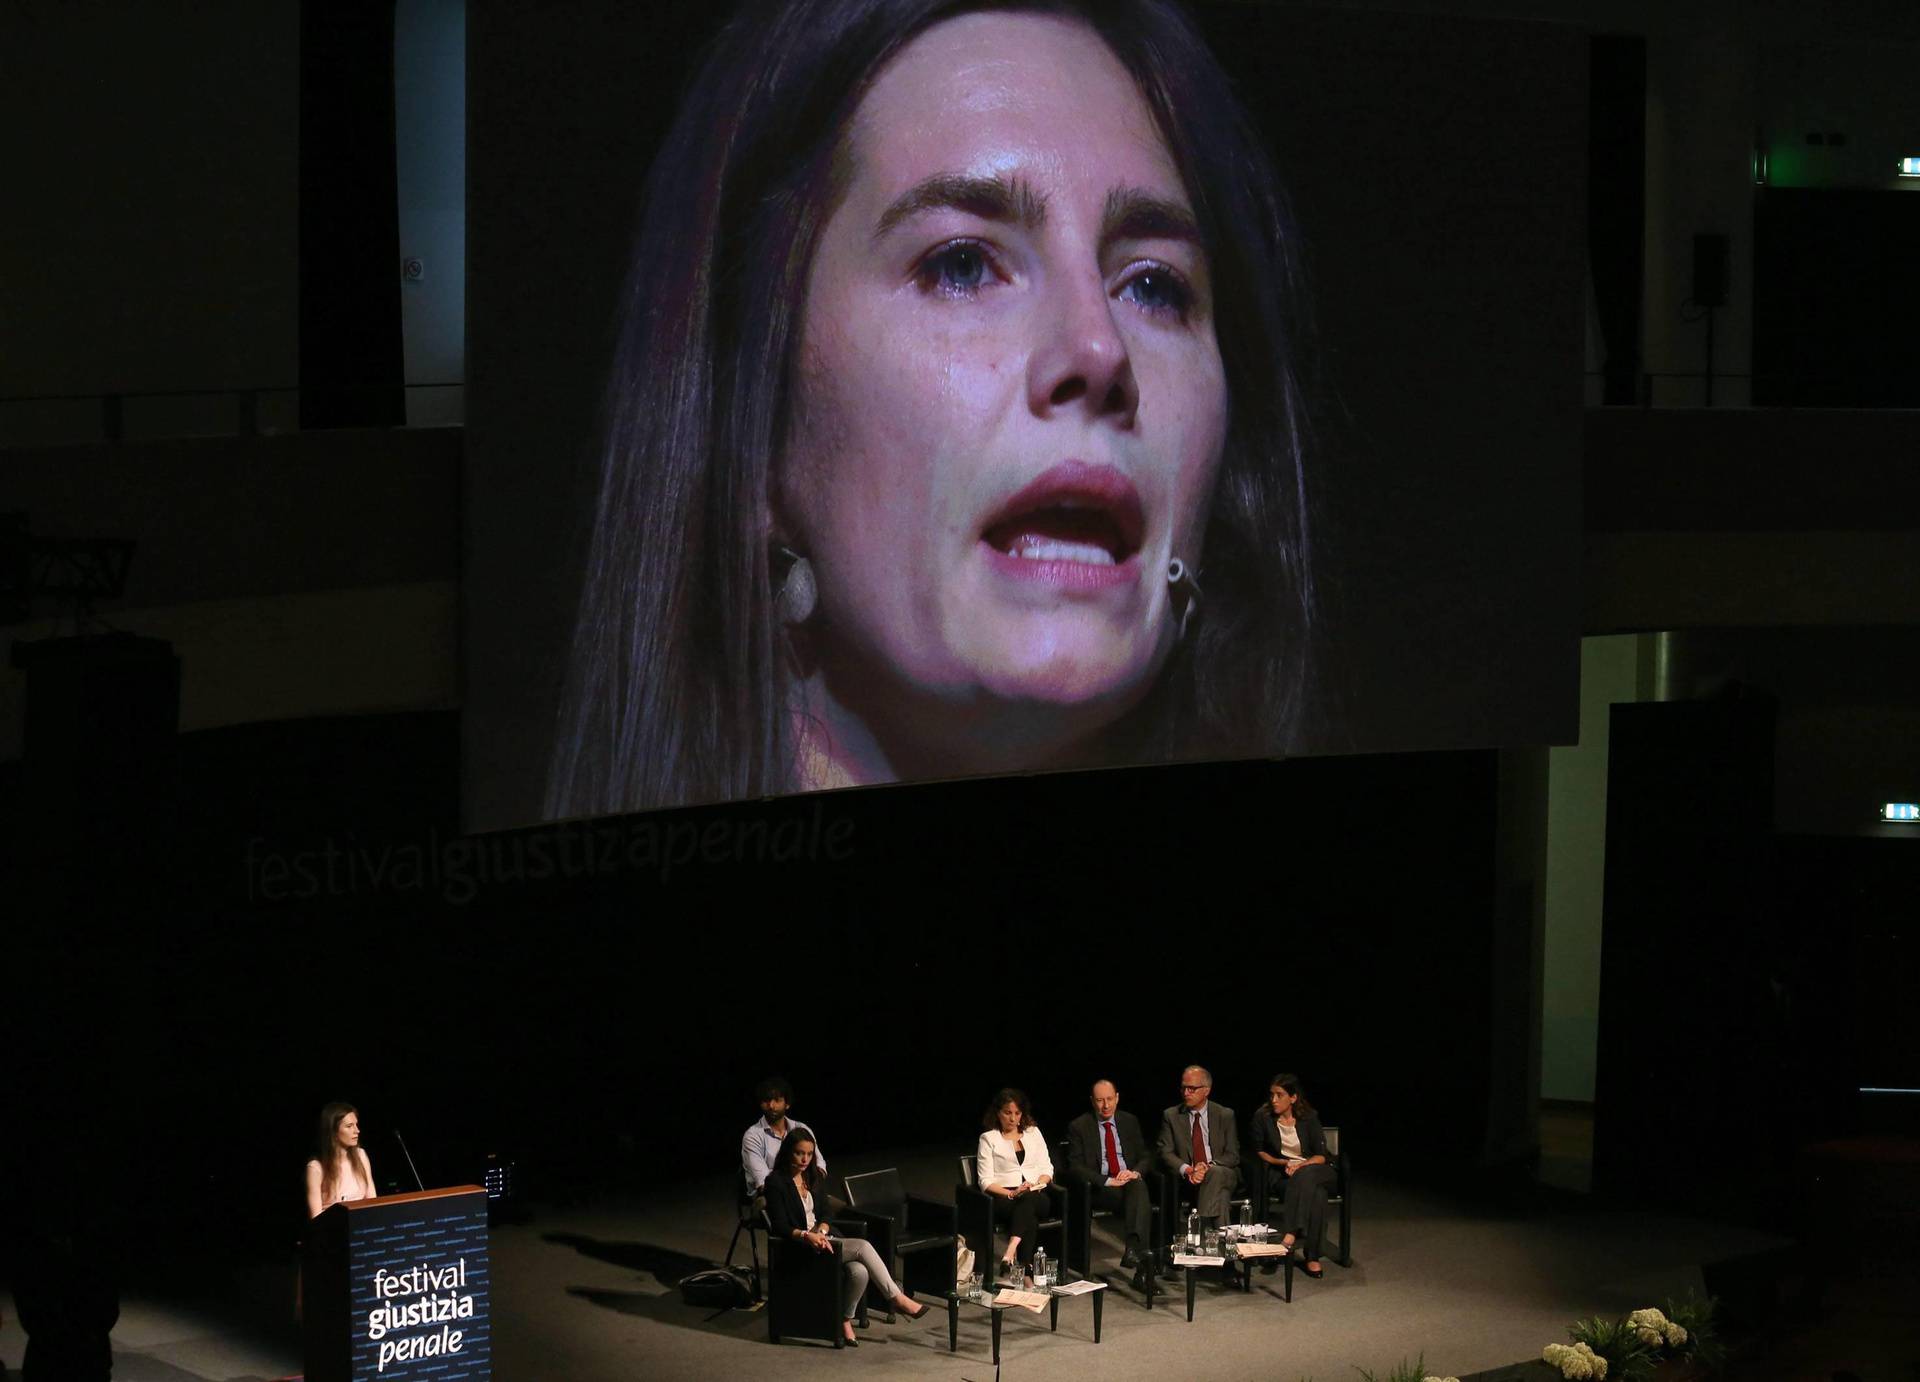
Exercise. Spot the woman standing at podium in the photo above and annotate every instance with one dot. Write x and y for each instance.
(340, 1169)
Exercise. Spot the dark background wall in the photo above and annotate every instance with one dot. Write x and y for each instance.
(298, 920)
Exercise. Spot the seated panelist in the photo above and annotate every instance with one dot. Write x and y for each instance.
(1201, 1144)
(1013, 1167)
(1288, 1139)
(796, 1204)
(761, 1142)
(1107, 1150)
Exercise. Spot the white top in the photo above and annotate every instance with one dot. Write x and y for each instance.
(1289, 1140)
(806, 1203)
(997, 1165)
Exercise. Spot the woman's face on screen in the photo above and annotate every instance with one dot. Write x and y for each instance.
(1011, 405)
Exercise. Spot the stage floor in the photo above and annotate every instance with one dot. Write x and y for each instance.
(588, 1294)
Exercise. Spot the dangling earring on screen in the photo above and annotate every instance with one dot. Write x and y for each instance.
(798, 593)
(1184, 591)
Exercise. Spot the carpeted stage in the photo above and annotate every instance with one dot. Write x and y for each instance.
(588, 1293)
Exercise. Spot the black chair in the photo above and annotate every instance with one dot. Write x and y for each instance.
(1339, 1197)
(750, 1221)
(803, 1289)
(973, 1215)
(913, 1234)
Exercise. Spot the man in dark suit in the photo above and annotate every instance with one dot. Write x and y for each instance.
(1107, 1150)
(1200, 1144)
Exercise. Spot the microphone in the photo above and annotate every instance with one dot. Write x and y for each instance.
(409, 1156)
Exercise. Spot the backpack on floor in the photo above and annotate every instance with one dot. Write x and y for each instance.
(717, 1288)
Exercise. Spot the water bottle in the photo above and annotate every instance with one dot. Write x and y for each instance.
(1193, 1230)
(1246, 1217)
(1040, 1267)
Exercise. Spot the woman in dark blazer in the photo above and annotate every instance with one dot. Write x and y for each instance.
(1287, 1136)
(795, 1206)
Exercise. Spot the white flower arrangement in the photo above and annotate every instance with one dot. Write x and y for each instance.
(1575, 1361)
(1655, 1329)
(1439, 1379)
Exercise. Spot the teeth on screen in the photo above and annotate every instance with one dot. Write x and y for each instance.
(1049, 549)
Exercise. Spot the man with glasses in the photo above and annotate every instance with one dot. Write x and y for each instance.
(1200, 1143)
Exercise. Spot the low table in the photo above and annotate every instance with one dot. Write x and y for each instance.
(1067, 1290)
(1247, 1261)
(1231, 1257)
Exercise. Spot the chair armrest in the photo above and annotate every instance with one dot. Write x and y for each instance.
(871, 1225)
(924, 1215)
(972, 1213)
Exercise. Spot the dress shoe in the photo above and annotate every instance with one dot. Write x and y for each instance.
(1143, 1281)
(1129, 1260)
(1315, 1272)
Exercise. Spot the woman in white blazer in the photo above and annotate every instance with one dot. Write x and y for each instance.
(1013, 1167)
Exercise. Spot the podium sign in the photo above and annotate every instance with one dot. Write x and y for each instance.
(398, 1289)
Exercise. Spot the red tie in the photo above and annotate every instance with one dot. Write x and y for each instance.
(1199, 1141)
(1113, 1152)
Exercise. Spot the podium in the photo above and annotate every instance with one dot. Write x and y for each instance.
(397, 1288)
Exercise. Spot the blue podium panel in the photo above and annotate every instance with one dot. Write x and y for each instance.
(419, 1289)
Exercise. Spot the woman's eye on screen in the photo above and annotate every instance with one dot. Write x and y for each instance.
(957, 270)
(1159, 290)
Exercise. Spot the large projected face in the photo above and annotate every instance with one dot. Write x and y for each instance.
(1010, 409)
(916, 294)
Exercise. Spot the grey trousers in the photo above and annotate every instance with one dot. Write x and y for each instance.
(862, 1266)
(1213, 1197)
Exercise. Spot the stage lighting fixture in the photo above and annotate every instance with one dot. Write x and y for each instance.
(1904, 812)
(1910, 167)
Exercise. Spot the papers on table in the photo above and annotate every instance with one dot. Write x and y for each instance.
(1260, 1250)
(1078, 1288)
(1035, 1301)
(1195, 1259)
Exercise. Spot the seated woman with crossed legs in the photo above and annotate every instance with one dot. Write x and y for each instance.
(791, 1201)
(1012, 1166)
(1287, 1136)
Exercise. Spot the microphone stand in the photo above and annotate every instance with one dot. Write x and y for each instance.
(409, 1156)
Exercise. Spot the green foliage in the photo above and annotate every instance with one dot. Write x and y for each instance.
(1416, 1371)
(1695, 1315)
(1628, 1359)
